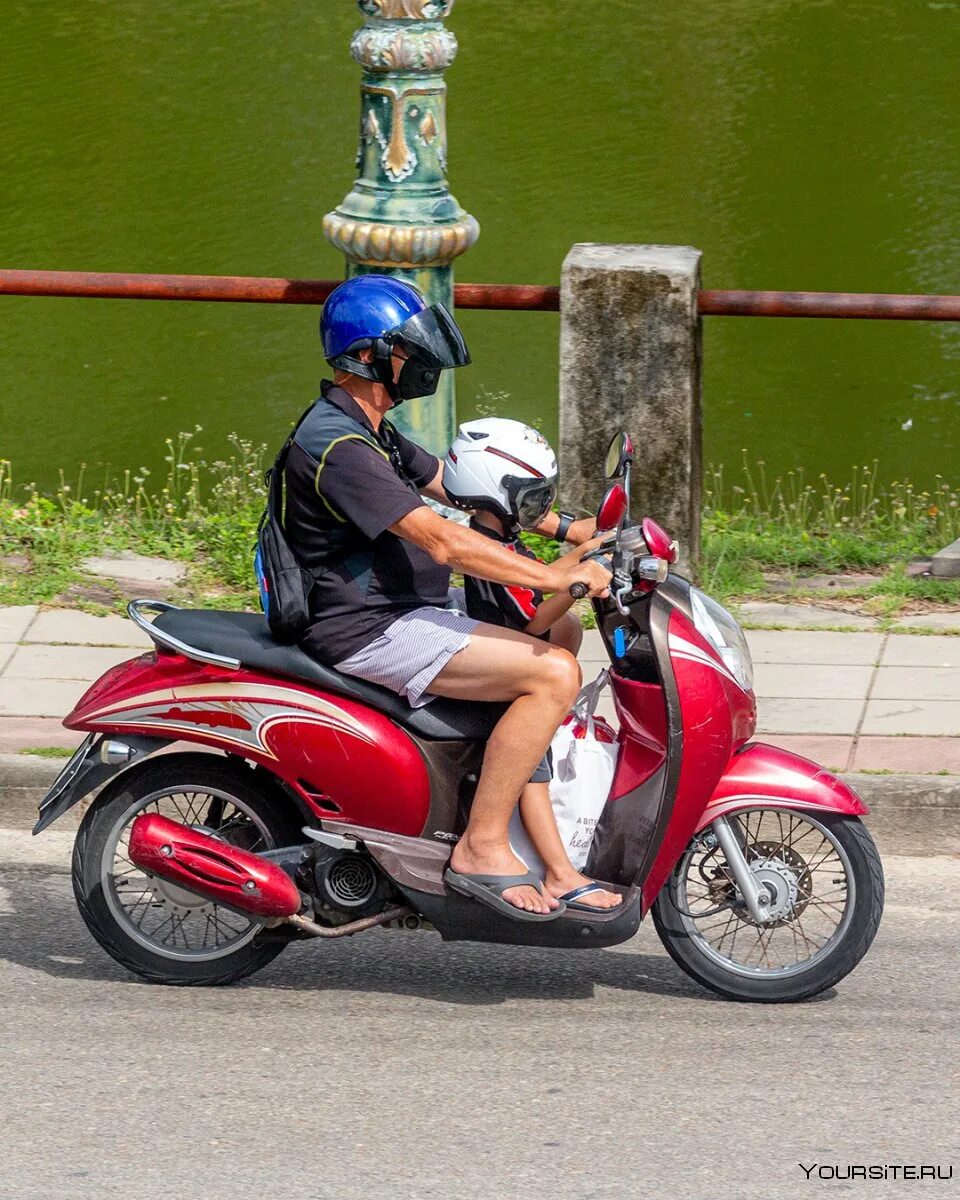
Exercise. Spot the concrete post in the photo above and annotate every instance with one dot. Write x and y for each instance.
(400, 218)
(630, 359)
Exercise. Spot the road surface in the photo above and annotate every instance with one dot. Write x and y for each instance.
(394, 1066)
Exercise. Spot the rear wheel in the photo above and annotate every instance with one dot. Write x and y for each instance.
(824, 881)
(159, 931)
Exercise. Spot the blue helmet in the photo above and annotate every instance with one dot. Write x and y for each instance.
(379, 312)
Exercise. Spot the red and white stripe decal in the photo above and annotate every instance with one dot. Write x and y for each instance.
(517, 462)
(681, 648)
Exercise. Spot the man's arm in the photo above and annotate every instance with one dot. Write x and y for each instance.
(465, 550)
(434, 489)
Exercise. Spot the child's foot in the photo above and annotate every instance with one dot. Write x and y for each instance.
(559, 885)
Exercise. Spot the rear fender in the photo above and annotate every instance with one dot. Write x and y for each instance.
(87, 771)
(766, 776)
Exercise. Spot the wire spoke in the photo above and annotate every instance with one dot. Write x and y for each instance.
(802, 855)
(153, 910)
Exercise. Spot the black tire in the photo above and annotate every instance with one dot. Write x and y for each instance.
(99, 825)
(850, 947)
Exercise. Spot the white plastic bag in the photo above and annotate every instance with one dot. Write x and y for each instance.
(584, 760)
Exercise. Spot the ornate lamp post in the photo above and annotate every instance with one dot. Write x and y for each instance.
(400, 217)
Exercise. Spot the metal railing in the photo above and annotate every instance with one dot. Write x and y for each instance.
(247, 289)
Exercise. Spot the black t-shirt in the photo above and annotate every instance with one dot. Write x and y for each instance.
(511, 607)
(345, 486)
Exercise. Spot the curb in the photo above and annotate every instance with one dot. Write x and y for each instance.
(909, 814)
(19, 771)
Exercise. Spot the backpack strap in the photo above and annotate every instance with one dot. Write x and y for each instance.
(273, 476)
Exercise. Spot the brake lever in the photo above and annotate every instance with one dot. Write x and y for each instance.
(626, 586)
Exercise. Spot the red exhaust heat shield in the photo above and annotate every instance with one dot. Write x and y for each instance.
(212, 868)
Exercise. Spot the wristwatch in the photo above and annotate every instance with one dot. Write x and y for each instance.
(563, 527)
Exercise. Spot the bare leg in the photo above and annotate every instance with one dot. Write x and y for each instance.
(567, 633)
(541, 824)
(541, 682)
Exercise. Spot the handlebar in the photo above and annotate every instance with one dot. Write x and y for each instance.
(600, 555)
(647, 567)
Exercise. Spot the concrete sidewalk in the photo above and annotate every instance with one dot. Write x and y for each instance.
(865, 702)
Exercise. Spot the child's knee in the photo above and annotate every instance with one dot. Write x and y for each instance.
(568, 633)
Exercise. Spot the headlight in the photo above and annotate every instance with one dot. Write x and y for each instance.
(721, 630)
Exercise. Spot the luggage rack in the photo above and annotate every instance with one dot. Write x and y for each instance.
(135, 611)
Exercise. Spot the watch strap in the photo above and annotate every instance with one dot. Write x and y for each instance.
(563, 527)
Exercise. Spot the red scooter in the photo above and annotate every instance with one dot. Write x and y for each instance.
(249, 796)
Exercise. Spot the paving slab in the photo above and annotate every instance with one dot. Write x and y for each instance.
(932, 718)
(81, 629)
(817, 647)
(916, 683)
(830, 751)
(15, 621)
(64, 662)
(592, 646)
(24, 733)
(808, 716)
(908, 755)
(39, 697)
(801, 616)
(934, 620)
(135, 568)
(908, 650)
(945, 564)
(785, 680)
(6, 653)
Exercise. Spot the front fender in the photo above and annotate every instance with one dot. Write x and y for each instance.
(773, 778)
(86, 770)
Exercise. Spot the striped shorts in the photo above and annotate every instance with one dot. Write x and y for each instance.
(411, 653)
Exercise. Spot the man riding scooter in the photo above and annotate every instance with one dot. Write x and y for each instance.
(381, 560)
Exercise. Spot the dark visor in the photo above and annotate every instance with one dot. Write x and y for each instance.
(432, 336)
(531, 498)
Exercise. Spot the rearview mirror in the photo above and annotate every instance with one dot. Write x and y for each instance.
(613, 508)
(619, 455)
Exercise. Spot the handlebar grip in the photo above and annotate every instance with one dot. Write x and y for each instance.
(578, 590)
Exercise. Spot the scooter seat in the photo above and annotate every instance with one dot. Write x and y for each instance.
(246, 637)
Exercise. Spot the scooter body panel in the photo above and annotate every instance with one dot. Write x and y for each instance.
(775, 778)
(716, 716)
(347, 761)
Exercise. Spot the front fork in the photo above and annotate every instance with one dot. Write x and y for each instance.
(755, 895)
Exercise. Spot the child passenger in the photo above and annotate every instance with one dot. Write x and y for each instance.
(504, 473)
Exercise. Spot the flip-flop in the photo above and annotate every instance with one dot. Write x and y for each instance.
(489, 889)
(588, 889)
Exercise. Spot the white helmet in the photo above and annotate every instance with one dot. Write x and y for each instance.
(504, 467)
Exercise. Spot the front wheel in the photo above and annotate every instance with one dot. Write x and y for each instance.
(825, 883)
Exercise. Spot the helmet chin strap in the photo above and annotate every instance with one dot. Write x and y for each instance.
(380, 370)
(383, 366)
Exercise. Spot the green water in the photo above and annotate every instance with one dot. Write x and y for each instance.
(799, 143)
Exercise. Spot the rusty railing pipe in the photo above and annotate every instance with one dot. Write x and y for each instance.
(247, 289)
(880, 306)
(515, 297)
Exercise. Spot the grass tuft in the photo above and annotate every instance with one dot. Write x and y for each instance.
(793, 528)
(204, 512)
